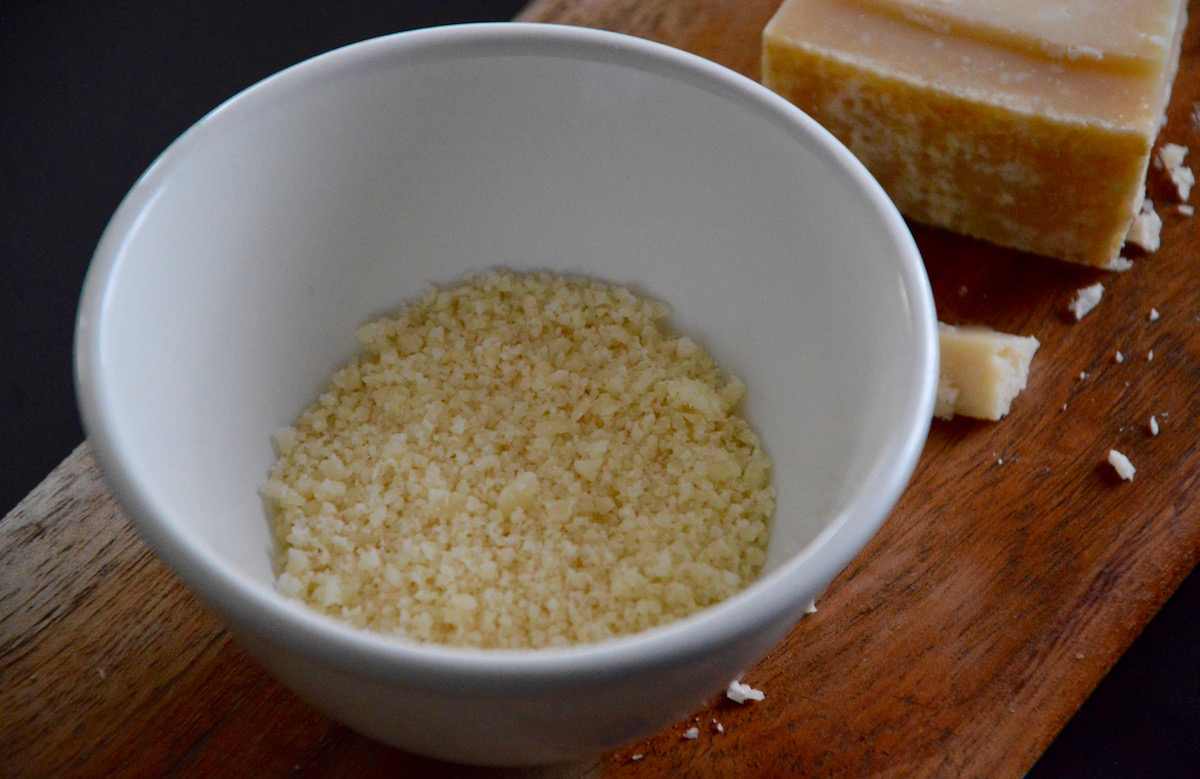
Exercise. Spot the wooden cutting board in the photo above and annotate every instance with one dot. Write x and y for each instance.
(1014, 572)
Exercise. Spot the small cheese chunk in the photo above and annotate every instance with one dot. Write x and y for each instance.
(1146, 230)
(1184, 179)
(1172, 155)
(740, 693)
(1086, 299)
(1121, 465)
(982, 371)
(987, 117)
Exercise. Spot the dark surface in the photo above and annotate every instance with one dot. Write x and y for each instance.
(91, 93)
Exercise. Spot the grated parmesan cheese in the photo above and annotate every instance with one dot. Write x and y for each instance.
(521, 461)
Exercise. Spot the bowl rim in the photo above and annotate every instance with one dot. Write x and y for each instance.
(769, 601)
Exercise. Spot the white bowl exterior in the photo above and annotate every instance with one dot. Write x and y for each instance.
(537, 726)
(232, 279)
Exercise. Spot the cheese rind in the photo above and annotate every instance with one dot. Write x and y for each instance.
(1005, 143)
(981, 372)
(1126, 34)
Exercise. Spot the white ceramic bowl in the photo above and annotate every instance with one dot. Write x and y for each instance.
(231, 279)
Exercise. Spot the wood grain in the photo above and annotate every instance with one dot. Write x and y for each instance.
(1014, 572)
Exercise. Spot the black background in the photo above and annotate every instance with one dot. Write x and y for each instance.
(90, 93)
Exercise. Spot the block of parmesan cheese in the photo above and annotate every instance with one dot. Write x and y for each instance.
(981, 371)
(1027, 123)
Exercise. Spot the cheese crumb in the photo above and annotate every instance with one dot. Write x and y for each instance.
(636, 757)
(720, 727)
(1119, 357)
(811, 608)
(740, 693)
(1120, 264)
(1121, 465)
(1186, 210)
(1146, 229)
(1150, 356)
(1154, 315)
(1172, 156)
(1153, 425)
(1184, 179)
(691, 733)
(1086, 299)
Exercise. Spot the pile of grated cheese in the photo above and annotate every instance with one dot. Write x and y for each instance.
(521, 461)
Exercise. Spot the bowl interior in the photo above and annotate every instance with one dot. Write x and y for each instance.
(232, 279)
